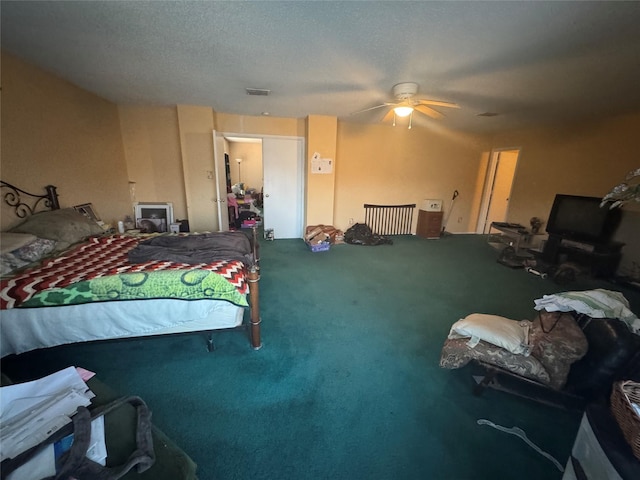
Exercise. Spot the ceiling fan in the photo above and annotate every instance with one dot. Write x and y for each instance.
(406, 104)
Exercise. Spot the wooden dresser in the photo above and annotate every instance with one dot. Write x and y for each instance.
(429, 224)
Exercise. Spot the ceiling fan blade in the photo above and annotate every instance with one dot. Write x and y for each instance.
(388, 116)
(428, 111)
(438, 103)
(373, 108)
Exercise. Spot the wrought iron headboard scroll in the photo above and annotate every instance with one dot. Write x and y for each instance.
(23, 207)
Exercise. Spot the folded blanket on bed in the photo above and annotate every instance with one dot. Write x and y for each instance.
(194, 249)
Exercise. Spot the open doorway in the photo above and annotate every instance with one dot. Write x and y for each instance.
(244, 180)
(497, 187)
(279, 180)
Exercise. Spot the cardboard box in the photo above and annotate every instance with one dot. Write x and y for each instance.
(320, 247)
(312, 232)
(319, 238)
(317, 233)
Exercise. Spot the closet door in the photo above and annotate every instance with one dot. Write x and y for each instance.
(283, 179)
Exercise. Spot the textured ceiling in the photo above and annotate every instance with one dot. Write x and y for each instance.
(530, 62)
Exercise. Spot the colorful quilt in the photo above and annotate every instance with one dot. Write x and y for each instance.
(99, 271)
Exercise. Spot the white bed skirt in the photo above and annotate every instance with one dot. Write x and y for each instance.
(24, 329)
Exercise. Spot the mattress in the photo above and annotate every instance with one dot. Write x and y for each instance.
(25, 329)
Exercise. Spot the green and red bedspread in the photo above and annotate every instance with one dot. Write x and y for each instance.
(99, 271)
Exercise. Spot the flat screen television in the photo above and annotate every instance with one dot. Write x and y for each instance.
(582, 218)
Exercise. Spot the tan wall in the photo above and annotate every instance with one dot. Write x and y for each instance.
(56, 133)
(152, 150)
(581, 159)
(175, 143)
(195, 125)
(386, 165)
(320, 187)
(230, 123)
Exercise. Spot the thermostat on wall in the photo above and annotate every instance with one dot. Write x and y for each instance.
(432, 205)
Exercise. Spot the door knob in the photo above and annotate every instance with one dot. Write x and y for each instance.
(267, 195)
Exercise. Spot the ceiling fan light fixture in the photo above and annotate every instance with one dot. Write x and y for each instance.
(403, 111)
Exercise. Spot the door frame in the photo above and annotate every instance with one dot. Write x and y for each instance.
(489, 182)
(220, 179)
(300, 187)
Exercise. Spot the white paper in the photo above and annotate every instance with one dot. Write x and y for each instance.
(31, 411)
(322, 165)
(43, 464)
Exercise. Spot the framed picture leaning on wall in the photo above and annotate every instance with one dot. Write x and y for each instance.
(88, 211)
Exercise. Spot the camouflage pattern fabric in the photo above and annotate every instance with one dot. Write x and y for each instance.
(557, 342)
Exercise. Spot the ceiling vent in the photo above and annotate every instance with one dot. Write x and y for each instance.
(258, 91)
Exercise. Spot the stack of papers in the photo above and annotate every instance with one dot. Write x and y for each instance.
(31, 412)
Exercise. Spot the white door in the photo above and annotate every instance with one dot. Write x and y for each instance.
(500, 177)
(221, 204)
(283, 174)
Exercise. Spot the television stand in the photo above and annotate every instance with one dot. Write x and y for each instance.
(512, 235)
(600, 259)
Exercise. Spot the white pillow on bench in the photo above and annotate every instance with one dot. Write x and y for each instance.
(511, 335)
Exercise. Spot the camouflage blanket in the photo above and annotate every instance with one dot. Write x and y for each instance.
(556, 343)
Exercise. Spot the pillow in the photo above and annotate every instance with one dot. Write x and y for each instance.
(34, 251)
(26, 254)
(65, 226)
(503, 332)
(11, 241)
(9, 262)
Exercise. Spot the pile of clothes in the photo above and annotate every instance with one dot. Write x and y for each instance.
(361, 234)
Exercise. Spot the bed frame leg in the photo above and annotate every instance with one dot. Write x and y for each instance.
(210, 346)
(254, 303)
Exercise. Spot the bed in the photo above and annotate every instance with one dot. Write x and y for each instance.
(72, 281)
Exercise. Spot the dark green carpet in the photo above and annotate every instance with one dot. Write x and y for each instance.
(347, 385)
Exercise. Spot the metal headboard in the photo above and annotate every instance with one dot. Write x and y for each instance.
(25, 203)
